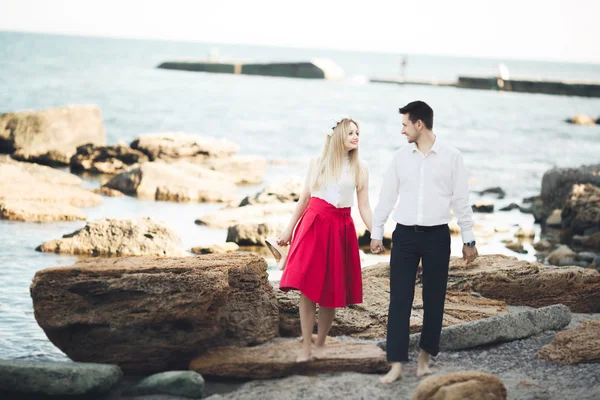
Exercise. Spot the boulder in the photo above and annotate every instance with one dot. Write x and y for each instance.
(227, 217)
(105, 159)
(472, 385)
(172, 146)
(254, 233)
(522, 283)
(582, 119)
(188, 384)
(149, 314)
(119, 237)
(563, 255)
(179, 182)
(582, 209)
(243, 169)
(483, 207)
(50, 378)
(228, 247)
(50, 136)
(574, 346)
(593, 242)
(555, 219)
(37, 211)
(284, 191)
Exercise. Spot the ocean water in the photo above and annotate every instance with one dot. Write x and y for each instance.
(507, 139)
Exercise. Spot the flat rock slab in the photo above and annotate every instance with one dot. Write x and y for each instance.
(275, 360)
(37, 211)
(57, 378)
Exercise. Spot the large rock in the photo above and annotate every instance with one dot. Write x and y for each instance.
(274, 360)
(106, 159)
(26, 170)
(284, 191)
(243, 169)
(563, 255)
(574, 346)
(227, 247)
(150, 314)
(119, 237)
(369, 319)
(557, 184)
(25, 182)
(172, 146)
(254, 233)
(174, 383)
(582, 119)
(174, 182)
(37, 211)
(227, 217)
(47, 378)
(582, 209)
(472, 385)
(504, 328)
(593, 242)
(522, 283)
(50, 136)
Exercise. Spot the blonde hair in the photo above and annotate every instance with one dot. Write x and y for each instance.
(327, 169)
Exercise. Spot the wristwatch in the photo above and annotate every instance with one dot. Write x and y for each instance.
(470, 244)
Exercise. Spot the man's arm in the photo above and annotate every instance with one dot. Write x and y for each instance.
(387, 200)
(462, 207)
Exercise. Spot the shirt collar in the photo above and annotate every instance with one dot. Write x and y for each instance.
(436, 148)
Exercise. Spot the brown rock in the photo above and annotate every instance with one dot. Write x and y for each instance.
(38, 211)
(285, 191)
(106, 159)
(243, 169)
(543, 245)
(563, 255)
(173, 146)
(119, 237)
(582, 119)
(254, 233)
(181, 182)
(582, 208)
(50, 136)
(525, 233)
(108, 192)
(574, 346)
(593, 242)
(369, 319)
(275, 360)
(227, 247)
(483, 207)
(150, 314)
(472, 385)
(555, 219)
(227, 217)
(522, 283)
(23, 183)
(517, 247)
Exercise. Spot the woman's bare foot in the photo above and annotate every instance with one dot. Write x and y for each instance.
(423, 364)
(393, 375)
(319, 351)
(304, 355)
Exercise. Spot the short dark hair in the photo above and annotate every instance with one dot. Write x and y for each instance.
(419, 110)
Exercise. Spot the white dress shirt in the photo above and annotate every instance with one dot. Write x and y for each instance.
(424, 187)
(341, 193)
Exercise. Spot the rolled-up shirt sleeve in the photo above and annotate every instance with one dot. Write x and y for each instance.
(461, 205)
(387, 200)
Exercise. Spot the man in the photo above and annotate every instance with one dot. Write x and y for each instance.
(426, 178)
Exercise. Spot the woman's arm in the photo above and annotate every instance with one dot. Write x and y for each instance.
(364, 207)
(285, 236)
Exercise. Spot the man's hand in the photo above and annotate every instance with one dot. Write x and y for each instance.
(377, 246)
(469, 253)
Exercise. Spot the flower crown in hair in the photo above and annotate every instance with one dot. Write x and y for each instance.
(337, 122)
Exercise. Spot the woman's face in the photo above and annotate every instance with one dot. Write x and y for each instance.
(351, 139)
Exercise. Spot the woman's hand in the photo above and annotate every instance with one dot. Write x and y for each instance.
(284, 238)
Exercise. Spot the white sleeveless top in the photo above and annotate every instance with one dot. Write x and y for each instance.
(341, 193)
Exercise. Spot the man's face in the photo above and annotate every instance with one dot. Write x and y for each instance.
(409, 129)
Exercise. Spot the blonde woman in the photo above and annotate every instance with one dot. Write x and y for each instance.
(323, 261)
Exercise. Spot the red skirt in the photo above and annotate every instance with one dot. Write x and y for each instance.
(323, 261)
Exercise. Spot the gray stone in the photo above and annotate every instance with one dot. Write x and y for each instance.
(510, 207)
(57, 378)
(586, 256)
(502, 328)
(176, 383)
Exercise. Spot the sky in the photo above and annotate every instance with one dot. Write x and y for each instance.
(515, 29)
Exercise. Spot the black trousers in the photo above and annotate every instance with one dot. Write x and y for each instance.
(411, 245)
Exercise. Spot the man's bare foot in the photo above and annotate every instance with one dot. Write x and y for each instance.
(423, 364)
(304, 355)
(394, 374)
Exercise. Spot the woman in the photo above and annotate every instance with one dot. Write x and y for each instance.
(323, 261)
